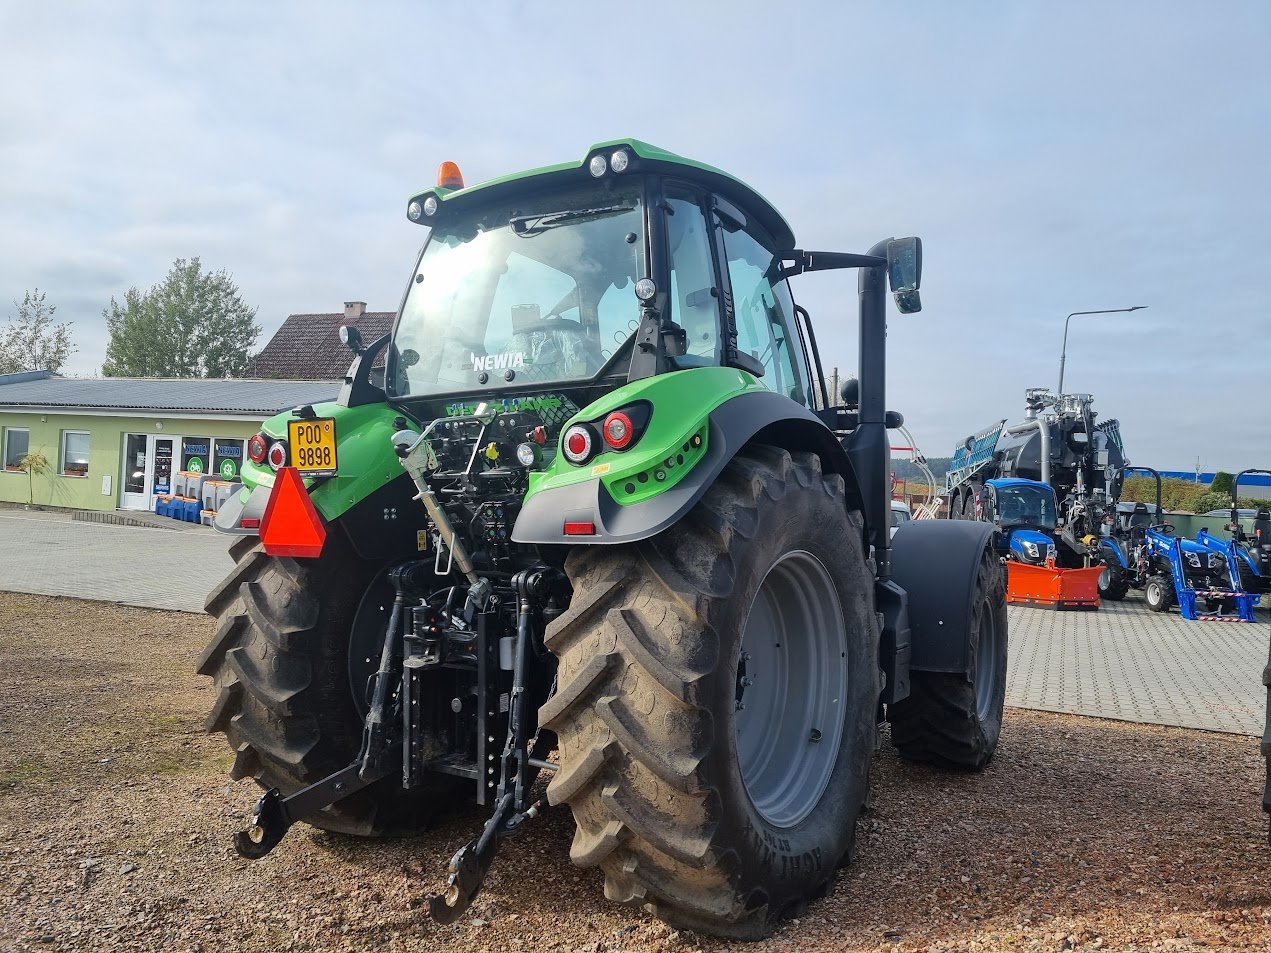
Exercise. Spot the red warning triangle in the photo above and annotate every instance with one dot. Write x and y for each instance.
(291, 526)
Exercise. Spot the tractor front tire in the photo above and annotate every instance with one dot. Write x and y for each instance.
(954, 720)
(280, 661)
(1159, 593)
(718, 686)
(1113, 583)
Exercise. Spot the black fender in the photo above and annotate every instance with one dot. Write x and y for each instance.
(1117, 549)
(752, 417)
(936, 563)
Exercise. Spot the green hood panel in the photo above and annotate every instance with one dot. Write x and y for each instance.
(364, 449)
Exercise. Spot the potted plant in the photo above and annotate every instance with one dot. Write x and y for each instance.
(33, 462)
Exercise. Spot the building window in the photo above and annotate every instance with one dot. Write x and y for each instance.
(74, 453)
(227, 458)
(196, 454)
(17, 442)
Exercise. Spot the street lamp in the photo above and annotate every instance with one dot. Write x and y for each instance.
(1063, 354)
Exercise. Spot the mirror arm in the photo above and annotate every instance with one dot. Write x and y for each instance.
(825, 261)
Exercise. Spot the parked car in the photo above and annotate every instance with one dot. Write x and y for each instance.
(1245, 514)
(900, 514)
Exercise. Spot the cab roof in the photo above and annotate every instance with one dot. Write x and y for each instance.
(644, 158)
(1001, 483)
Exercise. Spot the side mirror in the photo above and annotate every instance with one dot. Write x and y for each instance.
(904, 273)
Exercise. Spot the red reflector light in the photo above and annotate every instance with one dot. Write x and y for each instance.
(617, 430)
(291, 526)
(250, 523)
(577, 444)
(278, 454)
(580, 529)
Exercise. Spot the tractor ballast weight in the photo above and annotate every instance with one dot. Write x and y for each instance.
(601, 507)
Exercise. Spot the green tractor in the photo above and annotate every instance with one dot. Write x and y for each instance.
(600, 525)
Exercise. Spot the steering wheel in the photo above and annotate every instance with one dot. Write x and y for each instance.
(1166, 528)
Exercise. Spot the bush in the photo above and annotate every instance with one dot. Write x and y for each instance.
(1212, 501)
(1176, 494)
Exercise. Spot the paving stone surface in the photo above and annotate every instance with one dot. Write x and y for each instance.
(1121, 662)
(1129, 663)
(53, 554)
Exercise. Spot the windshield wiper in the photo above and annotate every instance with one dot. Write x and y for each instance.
(529, 225)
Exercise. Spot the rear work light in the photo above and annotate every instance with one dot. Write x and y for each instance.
(256, 448)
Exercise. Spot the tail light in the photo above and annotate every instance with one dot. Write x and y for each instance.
(618, 430)
(577, 444)
(278, 454)
(257, 448)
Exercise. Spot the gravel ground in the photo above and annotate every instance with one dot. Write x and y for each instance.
(116, 816)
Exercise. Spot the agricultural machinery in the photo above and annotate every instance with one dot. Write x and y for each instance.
(600, 528)
(1058, 443)
(1024, 514)
(1248, 554)
(1144, 552)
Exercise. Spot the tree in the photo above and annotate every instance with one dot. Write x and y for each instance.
(33, 462)
(191, 324)
(1223, 483)
(32, 342)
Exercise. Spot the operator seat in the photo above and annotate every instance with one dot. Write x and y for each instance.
(1262, 530)
(1140, 520)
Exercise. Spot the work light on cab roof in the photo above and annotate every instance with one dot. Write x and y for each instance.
(449, 178)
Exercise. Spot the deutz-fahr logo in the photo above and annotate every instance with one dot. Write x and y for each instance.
(491, 362)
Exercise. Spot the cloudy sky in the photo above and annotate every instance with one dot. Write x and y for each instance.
(1053, 158)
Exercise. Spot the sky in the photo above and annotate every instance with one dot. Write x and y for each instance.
(1053, 158)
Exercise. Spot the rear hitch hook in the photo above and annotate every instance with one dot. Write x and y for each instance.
(269, 826)
(471, 863)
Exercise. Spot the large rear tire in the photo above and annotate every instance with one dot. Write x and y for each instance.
(953, 720)
(717, 692)
(294, 636)
(973, 502)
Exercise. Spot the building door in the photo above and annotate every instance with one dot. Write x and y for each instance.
(147, 470)
(135, 488)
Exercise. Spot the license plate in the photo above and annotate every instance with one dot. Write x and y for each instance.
(313, 445)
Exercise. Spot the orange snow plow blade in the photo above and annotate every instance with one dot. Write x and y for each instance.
(1047, 587)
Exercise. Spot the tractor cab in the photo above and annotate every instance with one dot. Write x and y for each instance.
(576, 279)
(1024, 512)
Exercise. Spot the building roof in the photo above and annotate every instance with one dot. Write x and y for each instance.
(40, 390)
(307, 346)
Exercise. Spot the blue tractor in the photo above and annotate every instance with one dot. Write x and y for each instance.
(1248, 554)
(1144, 552)
(1025, 514)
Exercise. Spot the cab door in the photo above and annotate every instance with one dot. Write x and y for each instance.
(763, 308)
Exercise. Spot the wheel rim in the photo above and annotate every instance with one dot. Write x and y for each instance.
(791, 689)
(1105, 579)
(985, 662)
(1154, 593)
